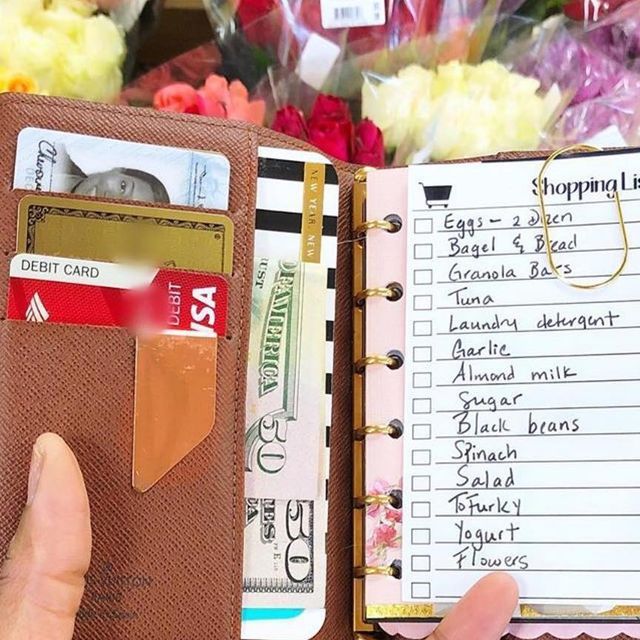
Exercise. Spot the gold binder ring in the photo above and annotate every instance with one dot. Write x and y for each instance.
(392, 292)
(394, 429)
(393, 360)
(547, 235)
(394, 570)
(391, 499)
(391, 224)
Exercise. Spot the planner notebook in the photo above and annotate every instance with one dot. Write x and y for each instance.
(497, 389)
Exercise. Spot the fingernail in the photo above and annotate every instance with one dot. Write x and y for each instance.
(35, 471)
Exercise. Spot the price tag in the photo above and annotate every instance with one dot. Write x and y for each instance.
(317, 60)
(342, 14)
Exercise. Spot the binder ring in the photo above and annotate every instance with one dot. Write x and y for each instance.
(392, 292)
(547, 235)
(391, 224)
(394, 570)
(394, 360)
(394, 430)
(392, 499)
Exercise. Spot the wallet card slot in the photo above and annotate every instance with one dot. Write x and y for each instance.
(176, 539)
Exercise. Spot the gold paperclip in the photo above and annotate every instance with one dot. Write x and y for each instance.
(545, 224)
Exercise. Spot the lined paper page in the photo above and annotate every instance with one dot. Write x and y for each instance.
(522, 403)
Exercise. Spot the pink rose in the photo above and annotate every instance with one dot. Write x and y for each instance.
(178, 98)
(393, 515)
(385, 535)
(219, 99)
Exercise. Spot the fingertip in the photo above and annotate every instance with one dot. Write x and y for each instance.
(503, 584)
(51, 443)
(484, 611)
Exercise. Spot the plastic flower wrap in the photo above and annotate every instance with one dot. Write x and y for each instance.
(458, 110)
(63, 46)
(600, 67)
(618, 35)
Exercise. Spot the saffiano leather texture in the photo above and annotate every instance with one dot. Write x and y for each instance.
(167, 565)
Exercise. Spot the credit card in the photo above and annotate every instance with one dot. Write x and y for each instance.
(54, 226)
(86, 292)
(61, 162)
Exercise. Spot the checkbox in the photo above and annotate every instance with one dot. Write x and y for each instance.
(420, 563)
(423, 226)
(421, 590)
(421, 483)
(422, 432)
(422, 354)
(421, 380)
(422, 405)
(421, 509)
(423, 251)
(421, 536)
(422, 328)
(423, 276)
(421, 458)
(422, 303)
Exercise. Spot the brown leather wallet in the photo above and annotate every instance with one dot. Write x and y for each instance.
(166, 564)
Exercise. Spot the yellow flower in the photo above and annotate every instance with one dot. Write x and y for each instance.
(20, 83)
(65, 47)
(459, 110)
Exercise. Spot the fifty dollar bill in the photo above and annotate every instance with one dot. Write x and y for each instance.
(285, 435)
(285, 554)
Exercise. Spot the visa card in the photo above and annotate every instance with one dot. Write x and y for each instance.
(86, 292)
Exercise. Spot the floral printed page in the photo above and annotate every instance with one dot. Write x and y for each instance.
(386, 262)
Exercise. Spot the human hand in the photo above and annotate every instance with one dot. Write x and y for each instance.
(42, 578)
(483, 613)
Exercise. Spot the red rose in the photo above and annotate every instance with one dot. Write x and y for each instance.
(250, 11)
(332, 136)
(261, 21)
(369, 145)
(330, 107)
(290, 121)
(330, 127)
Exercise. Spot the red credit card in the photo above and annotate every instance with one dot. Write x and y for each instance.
(70, 291)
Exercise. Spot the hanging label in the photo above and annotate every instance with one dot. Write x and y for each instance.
(342, 14)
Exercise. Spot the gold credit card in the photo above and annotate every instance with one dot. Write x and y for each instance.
(92, 230)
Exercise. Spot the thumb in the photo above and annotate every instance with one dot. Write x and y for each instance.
(42, 579)
(484, 611)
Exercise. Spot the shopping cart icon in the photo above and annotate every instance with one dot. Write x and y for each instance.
(436, 195)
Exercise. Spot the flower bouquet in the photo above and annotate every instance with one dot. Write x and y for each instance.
(190, 84)
(429, 98)
(60, 47)
(599, 63)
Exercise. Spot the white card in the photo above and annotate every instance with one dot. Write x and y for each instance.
(527, 390)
